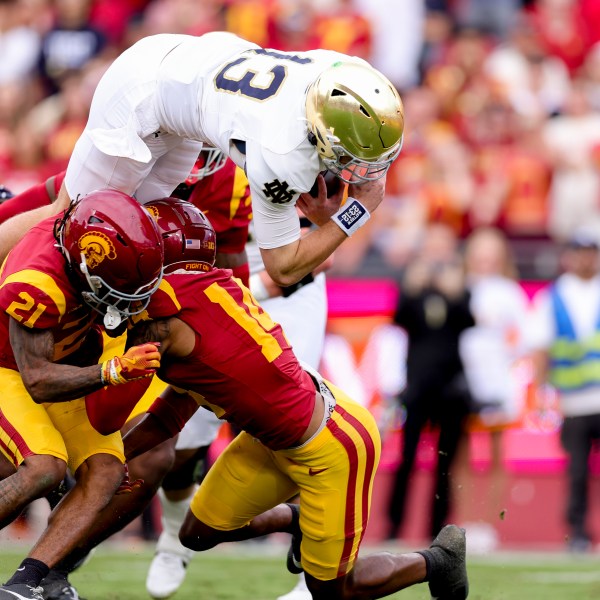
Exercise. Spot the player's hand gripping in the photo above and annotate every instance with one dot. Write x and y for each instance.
(138, 362)
(319, 208)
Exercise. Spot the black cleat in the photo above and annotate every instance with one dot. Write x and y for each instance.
(446, 565)
(20, 591)
(294, 558)
(56, 586)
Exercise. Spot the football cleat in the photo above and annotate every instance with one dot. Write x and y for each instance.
(165, 575)
(446, 564)
(299, 592)
(20, 591)
(5, 194)
(294, 558)
(57, 587)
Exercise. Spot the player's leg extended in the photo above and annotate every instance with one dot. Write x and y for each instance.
(331, 540)
(236, 498)
(169, 565)
(97, 464)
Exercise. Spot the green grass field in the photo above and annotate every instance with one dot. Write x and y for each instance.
(257, 572)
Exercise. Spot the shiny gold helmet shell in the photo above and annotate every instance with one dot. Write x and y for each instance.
(357, 119)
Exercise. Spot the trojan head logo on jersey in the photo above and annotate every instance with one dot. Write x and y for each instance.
(96, 247)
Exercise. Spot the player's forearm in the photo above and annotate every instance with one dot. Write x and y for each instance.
(289, 264)
(52, 382)
(147, 434)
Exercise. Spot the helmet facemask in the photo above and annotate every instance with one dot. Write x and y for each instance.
(114, 305)
(352, 169)
(111, 244)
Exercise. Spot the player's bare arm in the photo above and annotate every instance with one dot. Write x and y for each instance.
(44, 379)
(288, 264)
(231, 260)
(175, 337)
(149, 331)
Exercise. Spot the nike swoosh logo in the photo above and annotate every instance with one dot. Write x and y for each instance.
(313, 472)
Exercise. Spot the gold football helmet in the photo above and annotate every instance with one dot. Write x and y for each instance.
(357, 119)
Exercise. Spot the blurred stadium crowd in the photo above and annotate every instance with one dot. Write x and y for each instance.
(502, 99)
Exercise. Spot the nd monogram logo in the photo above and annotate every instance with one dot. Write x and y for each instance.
(96, 247)
(278, 191)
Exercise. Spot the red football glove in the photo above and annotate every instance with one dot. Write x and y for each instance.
(127, 486)
(137, 362)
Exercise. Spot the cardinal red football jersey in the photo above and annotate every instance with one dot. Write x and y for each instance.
(242, 365)
(36, 291)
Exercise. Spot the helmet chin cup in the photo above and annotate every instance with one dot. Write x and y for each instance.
(112, 318)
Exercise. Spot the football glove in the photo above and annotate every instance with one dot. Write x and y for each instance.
(138, 362)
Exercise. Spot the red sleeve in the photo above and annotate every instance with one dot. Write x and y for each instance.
(38, 306)
(173, 410)
(34, 197)
(242, 272)
(109, 408)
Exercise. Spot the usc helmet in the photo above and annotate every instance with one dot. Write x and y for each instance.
(210, 160)
(188, 237)
(114, 251)
(356, 119)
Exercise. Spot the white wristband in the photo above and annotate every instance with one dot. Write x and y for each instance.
(258, 289)
(351, 216)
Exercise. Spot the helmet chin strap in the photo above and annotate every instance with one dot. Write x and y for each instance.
(112, 318)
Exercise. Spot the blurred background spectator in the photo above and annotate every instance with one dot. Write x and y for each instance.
(564, 335)
(491, 352)
(433, 310)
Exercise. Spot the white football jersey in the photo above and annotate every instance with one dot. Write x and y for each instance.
(167, 94)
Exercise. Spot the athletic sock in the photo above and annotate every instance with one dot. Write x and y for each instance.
(31, 571)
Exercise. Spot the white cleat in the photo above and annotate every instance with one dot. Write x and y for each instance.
(300, 591)
(165, 575)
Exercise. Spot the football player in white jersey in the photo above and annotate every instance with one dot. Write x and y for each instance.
(284, 117)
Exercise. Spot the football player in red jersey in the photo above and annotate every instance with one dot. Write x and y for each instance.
(64, 278)
(300, 434)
